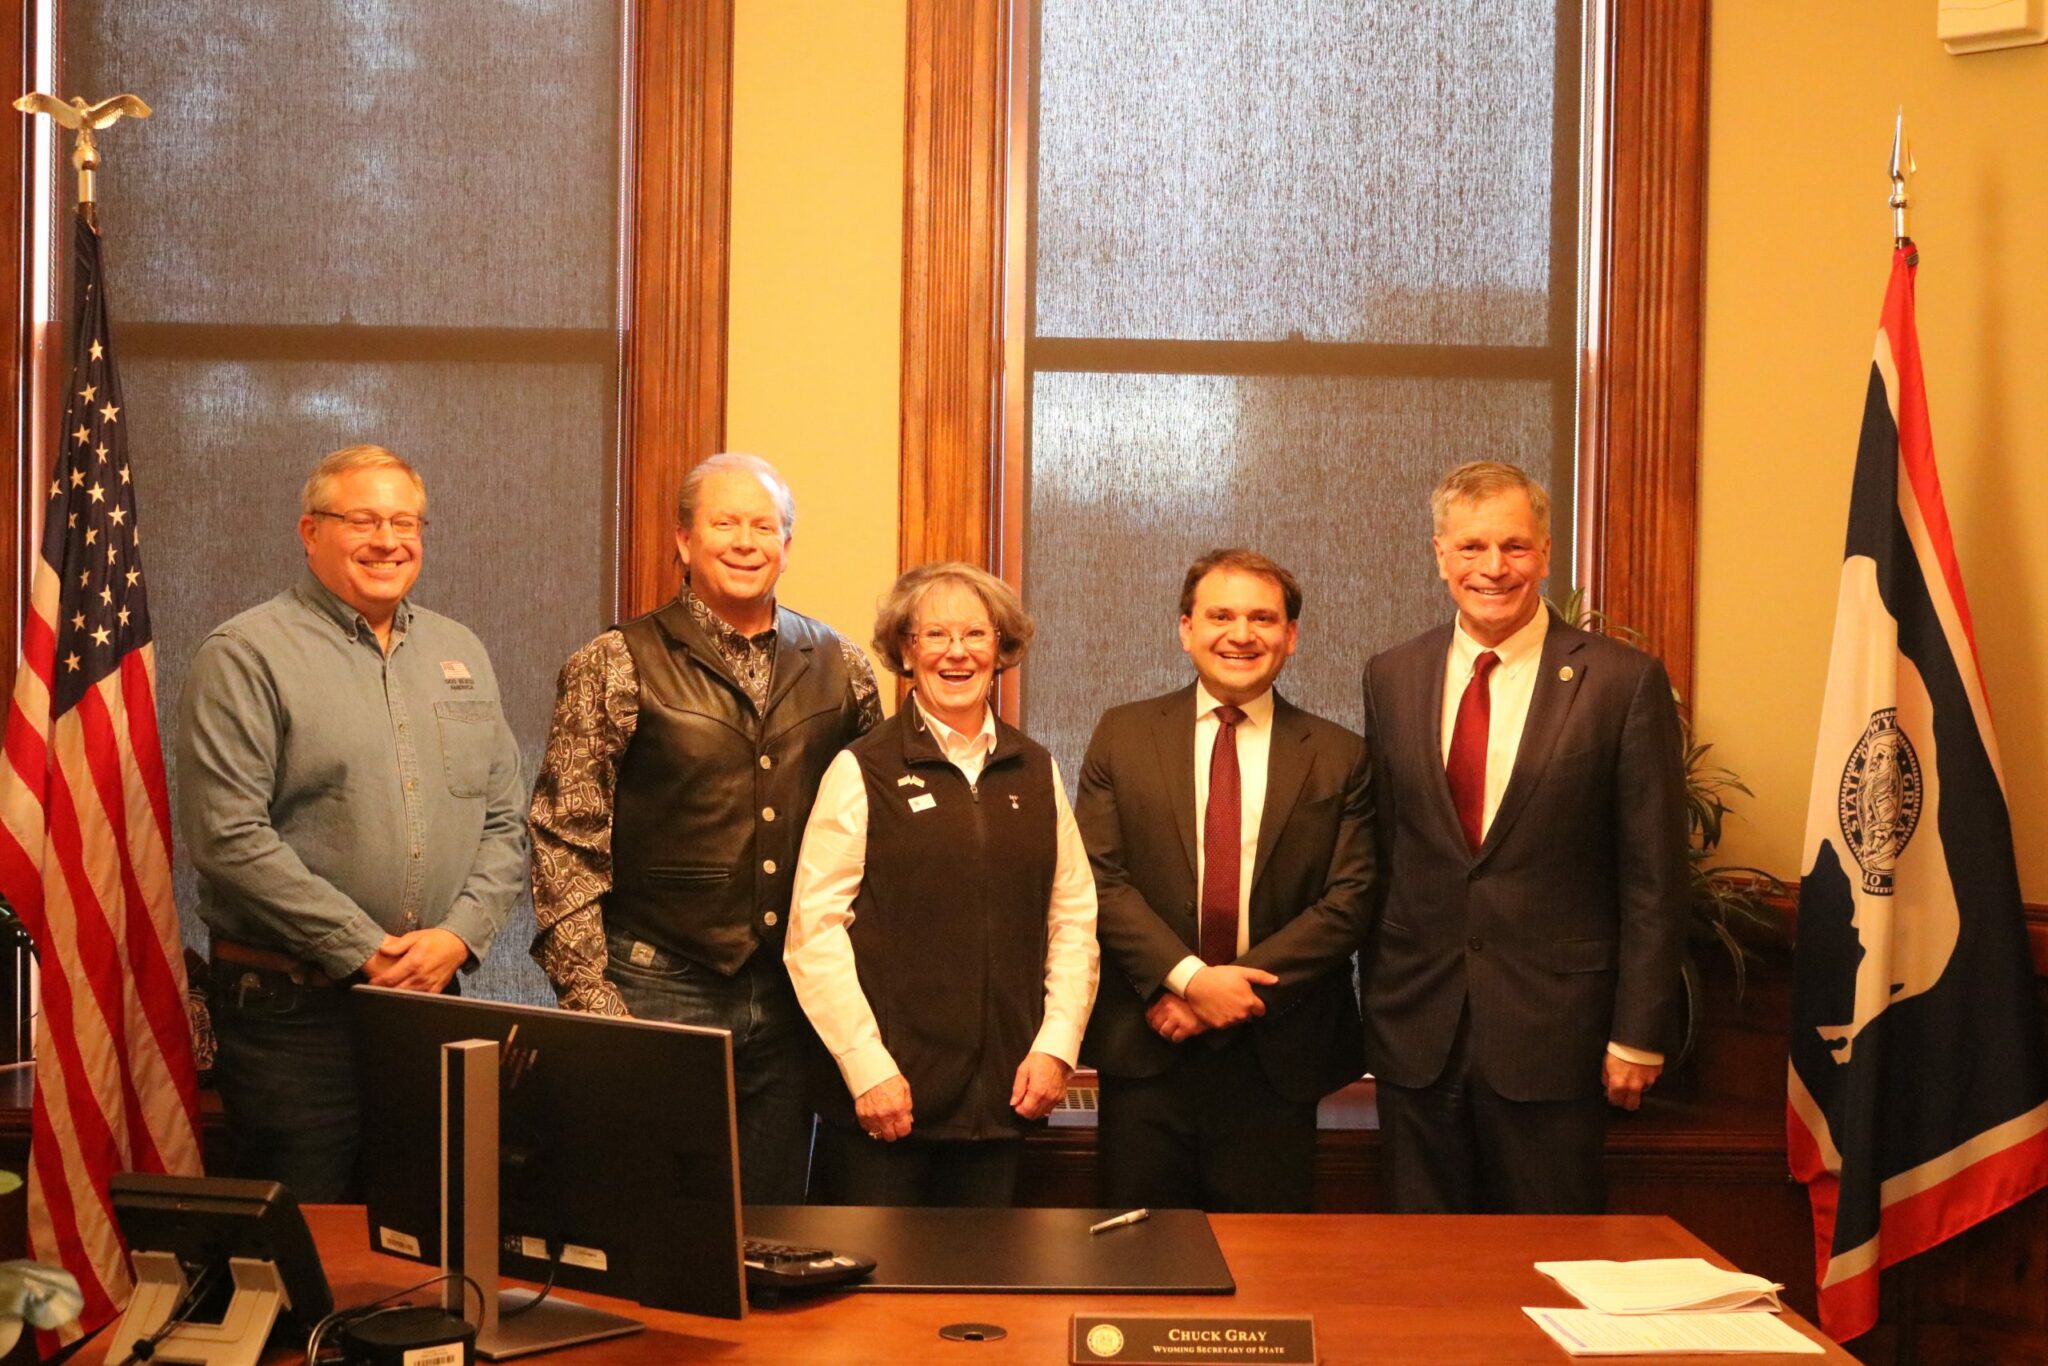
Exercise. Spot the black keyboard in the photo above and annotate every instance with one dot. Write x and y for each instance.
(775, 1269)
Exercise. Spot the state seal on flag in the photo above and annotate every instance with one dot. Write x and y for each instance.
(1880, 799)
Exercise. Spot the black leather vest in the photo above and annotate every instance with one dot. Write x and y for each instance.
(950, 922)
(712, 797)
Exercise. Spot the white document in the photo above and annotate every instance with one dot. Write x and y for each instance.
(1666, 1285)
(1588, 1333)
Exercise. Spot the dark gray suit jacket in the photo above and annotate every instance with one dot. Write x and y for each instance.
(1309, 898)
(1565, 930)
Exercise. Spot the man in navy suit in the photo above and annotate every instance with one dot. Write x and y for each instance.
(1524, 972)
(1231, 838)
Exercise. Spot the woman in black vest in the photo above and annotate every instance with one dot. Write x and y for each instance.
(942, 928)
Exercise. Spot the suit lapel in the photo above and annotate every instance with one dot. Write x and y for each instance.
(1549, 706)
(1431, 663)
(1173, 738)
(1287, 764)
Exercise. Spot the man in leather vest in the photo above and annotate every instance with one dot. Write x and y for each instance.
(685, 752)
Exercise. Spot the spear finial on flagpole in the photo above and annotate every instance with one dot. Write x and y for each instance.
(1902, 166)
(84, 120)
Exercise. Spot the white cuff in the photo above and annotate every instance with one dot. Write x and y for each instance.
(1059, 1041)
(865, 1067)
(1183, 973)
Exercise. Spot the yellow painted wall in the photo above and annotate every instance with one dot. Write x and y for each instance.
(1798, 249)
(817, 252)
(1797, 252)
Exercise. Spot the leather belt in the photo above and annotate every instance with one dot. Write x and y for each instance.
(256, 956)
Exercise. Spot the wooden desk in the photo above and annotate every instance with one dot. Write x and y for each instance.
(1383, 1288)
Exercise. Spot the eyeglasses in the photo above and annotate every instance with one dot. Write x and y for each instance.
(939, 639)
(363, 522)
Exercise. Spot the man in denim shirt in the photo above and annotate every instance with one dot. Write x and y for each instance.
(351, 797)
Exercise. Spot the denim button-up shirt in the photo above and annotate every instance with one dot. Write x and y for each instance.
(331, 794)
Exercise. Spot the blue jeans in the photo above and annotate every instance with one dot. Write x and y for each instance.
(769, 1036)
(286, 1071)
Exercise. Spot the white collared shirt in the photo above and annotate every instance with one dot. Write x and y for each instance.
(1254, 748)
(1512, 685)
(819, 952)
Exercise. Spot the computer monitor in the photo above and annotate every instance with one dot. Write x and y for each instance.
(617, 1143)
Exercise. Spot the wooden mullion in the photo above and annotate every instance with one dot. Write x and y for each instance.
(955, 101)
(1639, 430)
(673, 391)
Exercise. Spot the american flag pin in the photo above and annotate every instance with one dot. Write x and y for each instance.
(910, 780)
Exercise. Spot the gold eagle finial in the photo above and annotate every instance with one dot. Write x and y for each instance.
(84, 120)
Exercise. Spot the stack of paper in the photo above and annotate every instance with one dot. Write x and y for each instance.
(1676, 1304)
(1588, 1333)
(1666, 1285)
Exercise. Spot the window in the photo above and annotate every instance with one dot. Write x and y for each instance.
(1287, 265)
(1631, 520)
(381, 222)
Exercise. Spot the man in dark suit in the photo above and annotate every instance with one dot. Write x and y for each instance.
(1531, 830)
(1231, 837)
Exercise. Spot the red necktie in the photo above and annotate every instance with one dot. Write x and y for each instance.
(1466, 766)
(1222, 843)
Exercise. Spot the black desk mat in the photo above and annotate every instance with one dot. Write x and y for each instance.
(1010, 1251)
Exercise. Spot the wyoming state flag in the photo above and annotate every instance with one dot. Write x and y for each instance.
(1918, 1089)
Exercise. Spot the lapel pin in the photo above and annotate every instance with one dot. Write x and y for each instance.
(1013, 803)
(1564, 675)
(910, 780)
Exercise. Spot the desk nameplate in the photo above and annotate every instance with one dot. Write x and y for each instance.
(1172, 1339)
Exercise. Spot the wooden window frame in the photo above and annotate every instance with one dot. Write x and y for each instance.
(1639, 370)
(672, 377)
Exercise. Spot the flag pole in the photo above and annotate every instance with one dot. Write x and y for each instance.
(84, 120)
(1902, 166)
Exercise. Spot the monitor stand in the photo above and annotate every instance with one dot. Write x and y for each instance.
(505, 1326)
(237, 1340)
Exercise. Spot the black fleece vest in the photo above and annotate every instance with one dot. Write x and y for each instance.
(950, 921)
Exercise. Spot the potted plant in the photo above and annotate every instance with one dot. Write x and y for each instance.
(1731, 903)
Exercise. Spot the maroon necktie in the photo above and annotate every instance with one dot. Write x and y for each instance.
(1222, 843)
(1466, 767)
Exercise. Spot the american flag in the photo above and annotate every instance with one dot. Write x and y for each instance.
(85, 841)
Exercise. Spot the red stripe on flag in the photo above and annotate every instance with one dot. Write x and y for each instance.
(69, 1252)
(138, 697)
(19, 869)
(1802, 1150)
(93, 939)
(1912, 1225)
(27, 753)
(1986, 1187)
(39, 640)
(1916, 432)
(1849, 1310)
(159, 993)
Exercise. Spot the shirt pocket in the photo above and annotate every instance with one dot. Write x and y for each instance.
(469, 734)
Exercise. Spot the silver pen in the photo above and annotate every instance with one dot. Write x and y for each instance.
(1134, 1217)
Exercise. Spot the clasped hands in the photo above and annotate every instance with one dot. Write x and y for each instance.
(884, 1109)
(1217, 997)
(422, 960)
